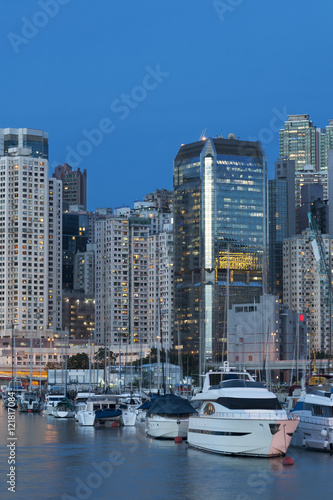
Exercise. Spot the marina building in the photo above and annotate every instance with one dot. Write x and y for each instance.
(264, 333)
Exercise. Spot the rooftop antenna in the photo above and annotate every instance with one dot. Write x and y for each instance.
(203, 135)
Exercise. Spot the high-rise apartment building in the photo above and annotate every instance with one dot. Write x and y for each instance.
(35, 140)
(326, 144)
(160, 286)
(302, 291)
(298, 141)
(74, 185)
(301, 141)
(30, 244)
(122, 280)
(282, 220)
(220, 237)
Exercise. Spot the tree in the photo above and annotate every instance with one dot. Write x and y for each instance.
(79, 361)
(99, 357)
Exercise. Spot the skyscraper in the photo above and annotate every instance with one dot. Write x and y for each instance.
(220, 237)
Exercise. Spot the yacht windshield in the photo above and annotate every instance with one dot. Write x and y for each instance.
(250, 404)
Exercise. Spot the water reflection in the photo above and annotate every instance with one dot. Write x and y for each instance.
(57, 456)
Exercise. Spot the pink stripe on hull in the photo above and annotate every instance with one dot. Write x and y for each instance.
(281, 440)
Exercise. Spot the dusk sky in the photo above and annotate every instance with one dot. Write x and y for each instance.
(152, 75)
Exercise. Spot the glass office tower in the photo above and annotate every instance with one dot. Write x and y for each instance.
(220, 238)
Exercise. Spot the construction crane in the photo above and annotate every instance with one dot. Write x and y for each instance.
(323, 267)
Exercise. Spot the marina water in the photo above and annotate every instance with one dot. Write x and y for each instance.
(58, 459)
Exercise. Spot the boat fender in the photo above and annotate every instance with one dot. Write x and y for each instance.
(324, 433)
(325, 444)
(304, 442)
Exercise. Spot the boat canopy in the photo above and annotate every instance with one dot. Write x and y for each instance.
(170, 404)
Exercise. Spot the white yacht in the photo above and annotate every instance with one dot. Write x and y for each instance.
(315, 411)
(51, 401)
(168, 417)
(101, 408)
(239, 416)
(129, 404)
(80, 403)
(30, 403)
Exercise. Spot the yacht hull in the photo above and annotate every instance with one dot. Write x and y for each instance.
(315, 433)
(63, 413)
(89, 418)
(129, 417)
(166, 428)
(260, 437)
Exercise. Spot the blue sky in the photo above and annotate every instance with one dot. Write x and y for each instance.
(152, 75)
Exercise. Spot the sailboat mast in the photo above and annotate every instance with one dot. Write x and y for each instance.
(163, 377)
(179, 354)
(66, 360)
(158, 347)
(31, 334)
(12, 351)
(89, 359)
(226, 305)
